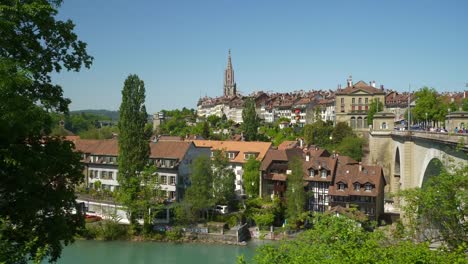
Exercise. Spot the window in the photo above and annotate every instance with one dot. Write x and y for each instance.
(342, 101)
(354, 100)
(104, 174)
(341, 186)
(368, 187)
(111, 175)
(357, 186)
(163, 179)
(171, 195)
(249, 155)
(384, 125)
(367, 100)
(231, 155)
(324, 174)
(360, 100)
(172, 180)
(311, 173)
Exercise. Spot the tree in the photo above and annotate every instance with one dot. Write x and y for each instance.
(352, 146)
(374, 107)
(251, 177)
(317, 133)
(205, 130)
(199, 195)
(133, 145)
(150, 197)
(341, 130)
(38, 172)
(464, 104)
(341, 240)
(251, 120)
(428, 102)
(439, 205)
(295, 193)
(223, 179)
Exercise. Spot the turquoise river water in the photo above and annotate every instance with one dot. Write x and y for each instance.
(117, 252)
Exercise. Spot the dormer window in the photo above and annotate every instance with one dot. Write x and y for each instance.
(250, 155)
(311, 173)
(231, 155)
(368, 187)
(323, 174)
(341, 186)
(357, 186)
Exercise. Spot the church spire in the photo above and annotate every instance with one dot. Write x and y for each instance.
(229, 83)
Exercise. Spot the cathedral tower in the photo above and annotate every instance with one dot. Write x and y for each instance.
(229, 83)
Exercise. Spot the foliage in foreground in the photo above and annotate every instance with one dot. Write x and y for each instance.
(341, 240)
(38, 173)
(441, 204)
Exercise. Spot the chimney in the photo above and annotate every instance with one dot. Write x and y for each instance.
(360, 166)
(372, 84)
(381, 87)
(350, 81)
(307, 157)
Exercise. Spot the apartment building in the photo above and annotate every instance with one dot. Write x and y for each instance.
(238, 153)
(172, 159)
(352, 103)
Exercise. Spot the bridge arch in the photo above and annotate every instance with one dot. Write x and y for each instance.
(434, 168)
(432, 165)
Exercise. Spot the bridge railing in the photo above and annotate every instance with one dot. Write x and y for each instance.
(449, 137)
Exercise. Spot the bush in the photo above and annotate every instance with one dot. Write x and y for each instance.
(111, 230)
(175, 234)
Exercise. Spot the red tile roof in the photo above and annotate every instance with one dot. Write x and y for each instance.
(360, 86)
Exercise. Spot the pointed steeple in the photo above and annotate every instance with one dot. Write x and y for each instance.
(229, 83)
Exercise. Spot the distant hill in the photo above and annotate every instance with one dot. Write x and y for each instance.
(114, 115)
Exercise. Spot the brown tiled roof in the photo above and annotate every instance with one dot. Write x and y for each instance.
(318, 163)
(276, 177)
(360, 86)
(287, 145)
(241, 147)
(279, 155)
(346, 160)
(169, 138)
(169, 149)
(350, 174)
(107, 147)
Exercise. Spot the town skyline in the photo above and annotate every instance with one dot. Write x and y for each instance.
(182, 48)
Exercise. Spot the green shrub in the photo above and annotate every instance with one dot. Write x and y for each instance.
(175, 234)
(111, 230)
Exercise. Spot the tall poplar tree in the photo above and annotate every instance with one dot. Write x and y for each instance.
(133, 145)
(223, 179)
(295, 193)
(251, 122)
(251, 177)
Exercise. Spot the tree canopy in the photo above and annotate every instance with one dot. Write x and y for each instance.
(374, 107)
(295, 193)
(338, 239)
(223, 179)
(38, 172)
(133, 144)
(251, 121)
(251, 177)
(439, 205)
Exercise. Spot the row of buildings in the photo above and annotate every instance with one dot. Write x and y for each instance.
(348, 104)
(334, 180)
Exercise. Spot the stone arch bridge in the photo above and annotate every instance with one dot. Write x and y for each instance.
(406, 155)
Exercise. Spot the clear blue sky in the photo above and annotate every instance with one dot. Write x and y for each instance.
(179, 48)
